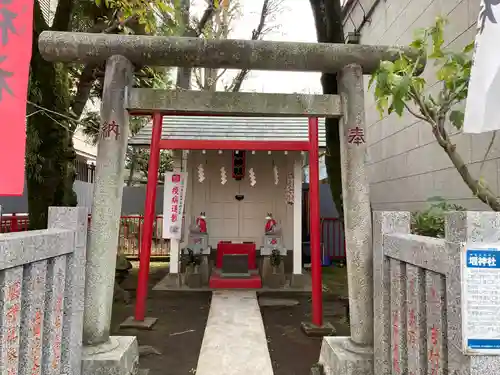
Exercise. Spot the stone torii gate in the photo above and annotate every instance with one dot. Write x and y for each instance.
(123, 52)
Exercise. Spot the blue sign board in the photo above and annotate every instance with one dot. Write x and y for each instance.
(481, 299)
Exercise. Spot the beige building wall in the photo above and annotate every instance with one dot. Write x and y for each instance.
(406, 165)
(229, 219)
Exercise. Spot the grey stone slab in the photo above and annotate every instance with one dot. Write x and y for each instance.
(298, 280)
(415, 321)
(279, 302)
(230, 54)
(11, 284)
(384, 222)
(118, 356)
(146, 324)
(234, 341)
(54, 316)
(76, 219)
(339, 356)
(246, 103)
(399, 348)
(33, 311)
(424, 252)
(20, 248)
(436, 324)
(312, 330)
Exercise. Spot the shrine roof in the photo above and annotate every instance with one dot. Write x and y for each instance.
(231, 128)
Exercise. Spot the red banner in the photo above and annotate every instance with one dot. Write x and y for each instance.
(16, 33)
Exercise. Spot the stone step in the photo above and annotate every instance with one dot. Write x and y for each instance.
(234, 275)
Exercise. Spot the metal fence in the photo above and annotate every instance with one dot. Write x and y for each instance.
(129, 239)
(332, 233)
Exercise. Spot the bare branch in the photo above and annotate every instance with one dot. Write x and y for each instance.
(269, 7)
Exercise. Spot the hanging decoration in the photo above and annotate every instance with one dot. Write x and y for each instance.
(251, 175)
(223, 176)
(201, 173)
(276, 175)
(239, 164)
(289, 191)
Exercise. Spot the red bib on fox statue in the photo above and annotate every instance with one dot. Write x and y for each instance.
(201, 223)
(270, 224)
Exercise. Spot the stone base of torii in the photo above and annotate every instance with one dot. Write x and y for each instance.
(104, 354)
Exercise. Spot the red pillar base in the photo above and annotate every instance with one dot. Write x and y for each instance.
(146, 324)
(313, 330)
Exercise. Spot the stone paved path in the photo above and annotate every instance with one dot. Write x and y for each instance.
(235, 341)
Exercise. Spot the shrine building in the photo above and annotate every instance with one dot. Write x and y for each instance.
(239, 170)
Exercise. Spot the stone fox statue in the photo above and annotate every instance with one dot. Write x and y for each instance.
(201, 223)
(271, 225)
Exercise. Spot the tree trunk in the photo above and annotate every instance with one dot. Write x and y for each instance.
(133, 162)
(184, 74)
(328, 22)
(50, 154)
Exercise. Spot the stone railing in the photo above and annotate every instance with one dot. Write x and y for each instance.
(417, 295)
(42, 287)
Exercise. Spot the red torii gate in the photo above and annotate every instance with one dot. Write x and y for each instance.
(311, 146)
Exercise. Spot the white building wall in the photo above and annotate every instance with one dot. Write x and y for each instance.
(406, 165)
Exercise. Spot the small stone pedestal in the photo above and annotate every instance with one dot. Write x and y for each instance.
(272, 277)
(340, 356)
(298, 280)
(192, 277)
(118, 356)
(205, 270)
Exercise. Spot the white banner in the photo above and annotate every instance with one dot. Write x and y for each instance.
(173, 204)
(482, 112)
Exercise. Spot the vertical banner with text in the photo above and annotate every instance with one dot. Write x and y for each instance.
(16, 29)
(173, 204)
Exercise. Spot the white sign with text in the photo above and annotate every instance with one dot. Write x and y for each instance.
(174, 196)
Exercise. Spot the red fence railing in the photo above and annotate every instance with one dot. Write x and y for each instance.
(332, 237)
(129, 238)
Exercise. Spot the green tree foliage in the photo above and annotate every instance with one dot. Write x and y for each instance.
(430, 222)
(399, 87)
(58, 93)
(328, 19)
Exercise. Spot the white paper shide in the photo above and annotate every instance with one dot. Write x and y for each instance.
(482, 112)
(173, 204)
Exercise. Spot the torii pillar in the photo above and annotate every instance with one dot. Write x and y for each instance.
(354, 355)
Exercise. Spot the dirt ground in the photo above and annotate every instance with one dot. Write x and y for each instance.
(177, 335)
(292, 352)
(182, 318)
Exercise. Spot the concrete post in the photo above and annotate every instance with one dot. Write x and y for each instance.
(357, 211)
(107, 202)
(354, 355)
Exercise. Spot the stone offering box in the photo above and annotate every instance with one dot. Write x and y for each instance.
(271, 242)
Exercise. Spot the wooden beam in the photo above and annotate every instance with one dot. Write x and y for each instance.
(146, 101)
(213, 53)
